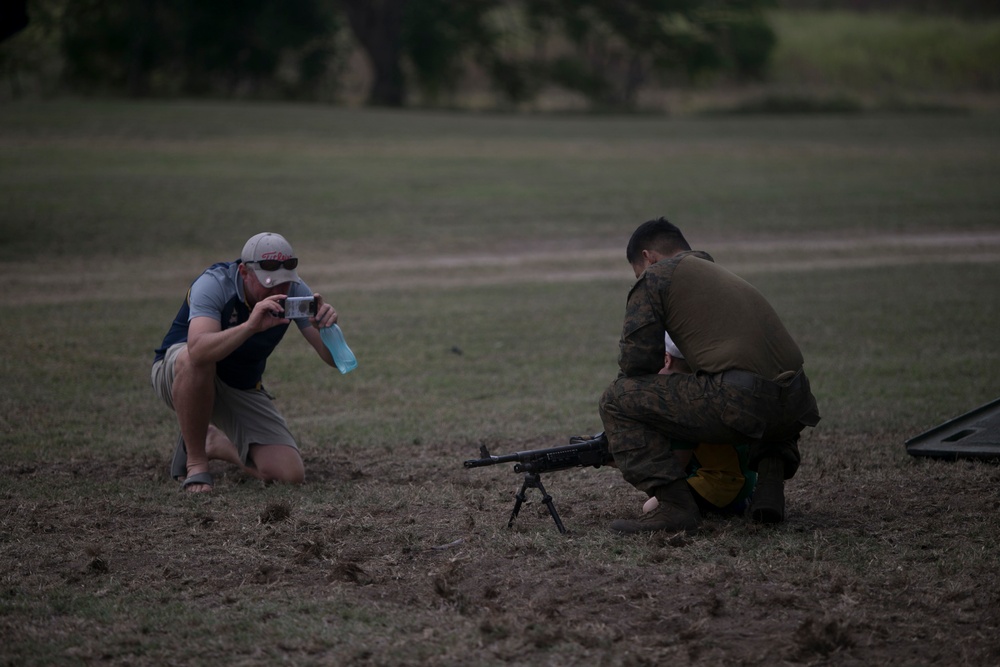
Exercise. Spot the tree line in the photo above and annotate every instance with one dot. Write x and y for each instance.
(606, 50)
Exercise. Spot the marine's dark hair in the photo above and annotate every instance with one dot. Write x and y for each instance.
(658, 235)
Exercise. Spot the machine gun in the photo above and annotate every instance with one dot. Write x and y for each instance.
(582, 452)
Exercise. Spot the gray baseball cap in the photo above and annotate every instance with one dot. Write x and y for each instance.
(272, 259)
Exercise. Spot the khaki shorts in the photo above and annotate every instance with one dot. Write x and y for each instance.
(246, 416)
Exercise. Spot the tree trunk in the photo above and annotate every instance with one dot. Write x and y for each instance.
(378, 27)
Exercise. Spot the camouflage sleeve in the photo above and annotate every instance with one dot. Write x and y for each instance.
(641, 348)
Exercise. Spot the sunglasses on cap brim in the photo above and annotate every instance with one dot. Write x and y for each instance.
(274, 264)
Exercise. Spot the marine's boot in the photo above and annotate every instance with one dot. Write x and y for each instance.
(768, 504)
(676, 511)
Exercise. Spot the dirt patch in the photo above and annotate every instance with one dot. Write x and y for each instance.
(873, 566)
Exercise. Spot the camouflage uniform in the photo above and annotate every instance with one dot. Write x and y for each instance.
(747, 384)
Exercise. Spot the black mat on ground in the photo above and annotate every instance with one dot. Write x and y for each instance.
(975, 435)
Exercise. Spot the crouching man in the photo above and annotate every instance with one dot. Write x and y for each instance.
(746, 384)
(210, 365)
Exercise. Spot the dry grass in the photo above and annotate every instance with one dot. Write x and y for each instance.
(504, 334)
(880, 562)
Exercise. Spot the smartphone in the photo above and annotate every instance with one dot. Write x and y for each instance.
(299, 306)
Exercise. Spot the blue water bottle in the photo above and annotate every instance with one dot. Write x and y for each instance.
(333, 338)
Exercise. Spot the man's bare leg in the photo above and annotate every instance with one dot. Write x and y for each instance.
(278, 463)
(268, 463)
(220, 448)
(193, 397)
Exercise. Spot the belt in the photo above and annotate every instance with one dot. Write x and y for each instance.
(759, 385)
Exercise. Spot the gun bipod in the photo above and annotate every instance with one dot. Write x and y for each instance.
(532, 480)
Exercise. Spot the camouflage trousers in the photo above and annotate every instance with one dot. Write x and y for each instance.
(643, 414)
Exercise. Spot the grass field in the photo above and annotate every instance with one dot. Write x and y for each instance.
(477, 263)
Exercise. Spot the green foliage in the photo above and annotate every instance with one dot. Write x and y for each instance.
(606, 49)
(616, 47)
(965, 8)
(886, 52)
(438, 34)
(573, 74)
(751, 41)
(619, 47)
(155, 47)
(30, 60)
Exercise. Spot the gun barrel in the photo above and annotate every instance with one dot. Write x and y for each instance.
(491, 460)
(587, 453)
